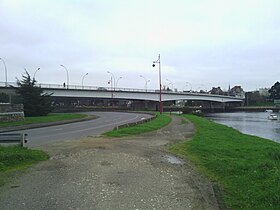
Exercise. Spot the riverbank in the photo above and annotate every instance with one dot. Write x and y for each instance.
(251, 123)
(245, 167)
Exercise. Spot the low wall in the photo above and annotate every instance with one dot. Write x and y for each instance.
(11, 112)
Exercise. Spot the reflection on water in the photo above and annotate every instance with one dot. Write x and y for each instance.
(253, 123)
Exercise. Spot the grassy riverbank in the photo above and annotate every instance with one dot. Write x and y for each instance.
(160, 121)
(15, 158)
(54, 117)
(246, 167)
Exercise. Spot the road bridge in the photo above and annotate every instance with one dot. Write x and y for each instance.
(75, 91)
(128, 93)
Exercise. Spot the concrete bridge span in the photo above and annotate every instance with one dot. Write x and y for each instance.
(135, 94)
(127, 93)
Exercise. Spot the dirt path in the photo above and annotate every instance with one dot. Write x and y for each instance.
(113, 173)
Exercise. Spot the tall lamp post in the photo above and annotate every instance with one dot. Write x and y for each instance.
(160, 101)
(146, 82)
(83, 80)
(6, 75)
(35, 73)
(112, 76)
(67, 75)
(118, 81)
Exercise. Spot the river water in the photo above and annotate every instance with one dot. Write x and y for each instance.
(253, 123)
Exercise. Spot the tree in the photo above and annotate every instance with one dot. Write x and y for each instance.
(35, 102)
(275, 91)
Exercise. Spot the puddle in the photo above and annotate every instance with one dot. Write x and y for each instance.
(173, 160)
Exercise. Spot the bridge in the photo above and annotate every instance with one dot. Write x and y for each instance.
(76, 91)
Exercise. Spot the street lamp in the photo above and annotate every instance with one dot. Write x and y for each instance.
(112, 76)
(35, 73)
(170, 83)
(6, 75)
(118, 81)
(146, 82)
(83, 80)
(160, 102)
(67, 75)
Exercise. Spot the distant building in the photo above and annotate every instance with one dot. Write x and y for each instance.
(216, 90)
(237, 91)
(264, 91)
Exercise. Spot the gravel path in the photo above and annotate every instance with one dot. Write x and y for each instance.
(113, 173)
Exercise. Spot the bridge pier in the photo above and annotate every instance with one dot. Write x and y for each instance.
(145, 106)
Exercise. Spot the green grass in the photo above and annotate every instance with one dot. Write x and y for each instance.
(160, 121)
(246, 167)
(15, 158)
(43, 119)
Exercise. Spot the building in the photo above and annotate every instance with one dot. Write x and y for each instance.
(237, 91)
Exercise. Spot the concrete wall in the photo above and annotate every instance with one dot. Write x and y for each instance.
(11, 112)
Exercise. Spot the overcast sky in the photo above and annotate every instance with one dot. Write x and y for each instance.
(202, 43)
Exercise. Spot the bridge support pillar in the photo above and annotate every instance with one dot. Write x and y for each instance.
(144, 106)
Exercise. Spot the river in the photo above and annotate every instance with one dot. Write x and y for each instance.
(253, 123)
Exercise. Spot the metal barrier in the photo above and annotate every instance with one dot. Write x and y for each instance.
(19, 138)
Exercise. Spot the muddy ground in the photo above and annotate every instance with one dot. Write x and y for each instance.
(113, 173)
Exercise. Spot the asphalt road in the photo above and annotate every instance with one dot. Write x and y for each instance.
(106, 122)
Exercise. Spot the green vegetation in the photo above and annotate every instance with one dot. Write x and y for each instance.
(43, 119)
(255, 98)
(275, 91)
(246, 167)
(14, 158)
(35, 102)
(264, 103)
(160, 121)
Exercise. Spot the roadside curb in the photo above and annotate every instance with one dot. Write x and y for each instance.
(136, 123)
(40, 125)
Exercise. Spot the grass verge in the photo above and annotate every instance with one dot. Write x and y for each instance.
(54, 117)
(15, 158)
(246, 167)
(160, 121)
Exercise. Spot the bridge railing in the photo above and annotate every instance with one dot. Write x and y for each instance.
(80, 87)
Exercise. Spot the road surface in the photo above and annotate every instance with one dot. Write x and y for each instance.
(106, 122)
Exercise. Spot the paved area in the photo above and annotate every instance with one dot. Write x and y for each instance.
(113, 173)
(102, 122)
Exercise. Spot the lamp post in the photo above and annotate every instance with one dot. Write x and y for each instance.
(35, 73)
(67, 75)
(146, 82)
(170, 83)
(112, 76)
(159, 68)
(118, 81)
(6, 75)
(83, 80)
